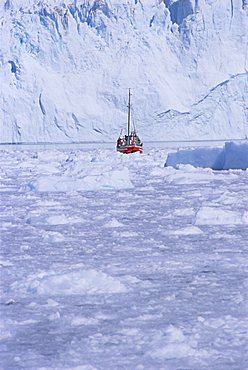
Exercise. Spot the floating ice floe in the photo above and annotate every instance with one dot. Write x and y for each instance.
(187, 174)
(114, 223)
(34, 218)
(71, 283)
(219, 216)
(6, 263)
(52, 236)
(62, 220)
(104, 179)
(84, 321)
(177, 345)
(80, 367)
(189, 230)
(182, 212)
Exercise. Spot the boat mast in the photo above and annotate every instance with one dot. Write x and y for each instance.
(129, 115)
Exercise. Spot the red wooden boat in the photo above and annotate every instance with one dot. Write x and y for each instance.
(129, 143)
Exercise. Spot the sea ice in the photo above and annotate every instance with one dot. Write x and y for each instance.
(154, 276)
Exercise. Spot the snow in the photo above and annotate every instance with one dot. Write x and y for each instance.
(145, 277)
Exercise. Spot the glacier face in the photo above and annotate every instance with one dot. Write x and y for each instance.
(65, 67)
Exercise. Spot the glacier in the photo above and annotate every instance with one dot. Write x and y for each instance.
(65, 67)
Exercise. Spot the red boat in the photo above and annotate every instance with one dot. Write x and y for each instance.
(129, 143)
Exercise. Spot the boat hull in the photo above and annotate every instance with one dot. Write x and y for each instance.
(129, 149)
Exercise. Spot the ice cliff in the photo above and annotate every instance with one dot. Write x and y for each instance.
(65, 67)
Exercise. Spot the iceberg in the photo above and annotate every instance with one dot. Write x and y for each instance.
(232, 156)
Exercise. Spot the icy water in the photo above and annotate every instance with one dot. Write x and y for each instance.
(87, 146)
(115, 262)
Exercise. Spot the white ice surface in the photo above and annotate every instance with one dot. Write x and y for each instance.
(232, 156)
(79, 174)
(69, 283)
(149, 277)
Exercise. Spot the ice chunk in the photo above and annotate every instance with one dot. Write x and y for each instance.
(232, 156)
(217, 216)
(177, 346)
(114, 223)
(189, 230)
(236, 156)
(71, 283)
(103, 179)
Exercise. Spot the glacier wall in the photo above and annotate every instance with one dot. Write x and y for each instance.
(65, 67)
